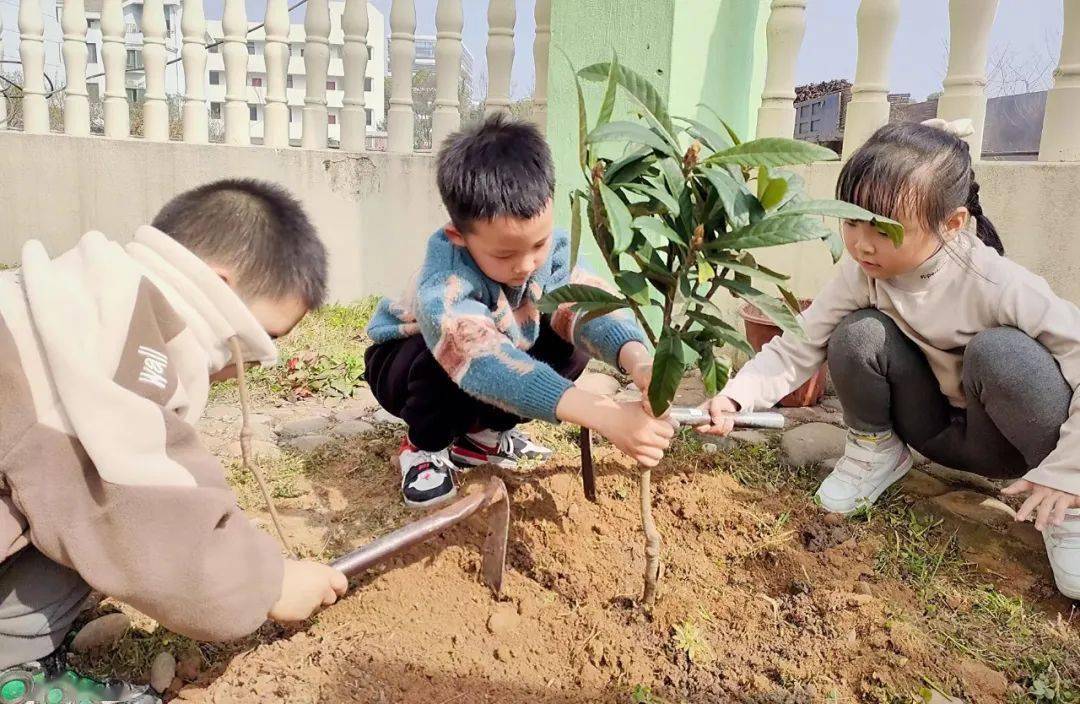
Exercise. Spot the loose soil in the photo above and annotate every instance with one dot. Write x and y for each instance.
(763, 598)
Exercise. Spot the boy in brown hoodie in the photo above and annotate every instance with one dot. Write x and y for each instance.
(107, 353)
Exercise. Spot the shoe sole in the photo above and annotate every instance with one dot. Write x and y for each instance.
(900, 471)
(471, 461)
(432, 503)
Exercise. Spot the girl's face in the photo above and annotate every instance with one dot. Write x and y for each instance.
(875, 253)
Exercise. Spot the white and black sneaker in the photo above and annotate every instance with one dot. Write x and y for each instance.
(503, 450)
(427, 478)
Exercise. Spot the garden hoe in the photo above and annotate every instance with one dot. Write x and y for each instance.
(493, 496)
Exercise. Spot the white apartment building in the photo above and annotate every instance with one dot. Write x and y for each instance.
(296, 80)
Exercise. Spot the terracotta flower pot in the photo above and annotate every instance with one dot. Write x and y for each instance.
(759, 330)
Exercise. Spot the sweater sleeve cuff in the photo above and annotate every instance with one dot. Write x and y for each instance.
(1066, 480)
(604, 338)
(541, 394)
(742, 392)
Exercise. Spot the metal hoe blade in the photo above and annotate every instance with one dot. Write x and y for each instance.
(494, 553)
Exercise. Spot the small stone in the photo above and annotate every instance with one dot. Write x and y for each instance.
(597, 383)
(222, 412)
(189, 666)
(259, 448)
(919, 483)
(863, 588)
(309, 443)
(710, 448)
(101, 632)
(859, 599)
(751, 437)
(385, 417)
(939, 698)
(162, 671)
(811, 443)
(352, 428)
(984, 678)
(303, 426)
(504, 620)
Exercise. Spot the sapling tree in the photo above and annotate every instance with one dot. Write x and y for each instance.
(677, 209)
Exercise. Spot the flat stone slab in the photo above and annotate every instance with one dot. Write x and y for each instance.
(813, 443)
(309, 443)
(303, 426)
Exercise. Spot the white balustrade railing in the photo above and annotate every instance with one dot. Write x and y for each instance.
(76, 98)
(3, 95)
(869, 107)
(964, 95)
(340, 39)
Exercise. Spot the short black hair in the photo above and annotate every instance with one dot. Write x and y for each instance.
(499, 167)
(256, 227)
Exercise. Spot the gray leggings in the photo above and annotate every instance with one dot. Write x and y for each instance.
(39, 600)
(1017, 398)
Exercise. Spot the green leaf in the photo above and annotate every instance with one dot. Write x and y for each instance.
(891, 228)
(643, 92)
(839, 209)
(789, 298)
(762, 180)
(575, 227)
(773, 151)
(634, 286)
(705, 272)
(630, 167)
(657, 227)
(727, 128)
(673, 174)
(714, 372)
(594, 311)
(658, 194)
(753, 271)
(721, 332)
(734, 197)
(583, 119)
(608, 105)
(631, 132)
(771, 231)
(577, 293)
(836, 246)
(669, 365)
(706, 135)
(774, 193)
(772, 307)
(618, 216)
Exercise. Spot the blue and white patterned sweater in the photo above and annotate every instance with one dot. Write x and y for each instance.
(480, 331)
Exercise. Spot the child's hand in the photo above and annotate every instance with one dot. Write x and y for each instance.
(634, 431)
(305, 587)
(721, 408)
(1048, 505)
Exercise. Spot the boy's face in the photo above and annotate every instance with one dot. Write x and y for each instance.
(507, 249)
(276, 316)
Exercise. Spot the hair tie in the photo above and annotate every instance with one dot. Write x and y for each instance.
(962, 127)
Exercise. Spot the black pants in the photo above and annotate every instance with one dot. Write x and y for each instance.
(408, 382)
(1017, 398)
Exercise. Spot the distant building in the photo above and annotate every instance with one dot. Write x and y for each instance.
(425, 57)
(296, 78)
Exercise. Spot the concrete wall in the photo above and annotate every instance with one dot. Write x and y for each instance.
(1035, 207)
(374, 212)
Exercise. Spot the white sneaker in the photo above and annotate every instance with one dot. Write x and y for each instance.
(870, 465)
(503, 450)
(1063, 549)
(427, 478)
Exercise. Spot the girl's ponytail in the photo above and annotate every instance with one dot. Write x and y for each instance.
(984, 229)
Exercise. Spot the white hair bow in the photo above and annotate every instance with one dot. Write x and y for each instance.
(961, 128)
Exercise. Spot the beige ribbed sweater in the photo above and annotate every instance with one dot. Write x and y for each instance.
(960, 291)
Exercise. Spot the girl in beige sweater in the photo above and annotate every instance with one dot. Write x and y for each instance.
(941, 344)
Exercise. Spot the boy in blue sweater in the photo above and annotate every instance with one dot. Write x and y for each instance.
(466, 355)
